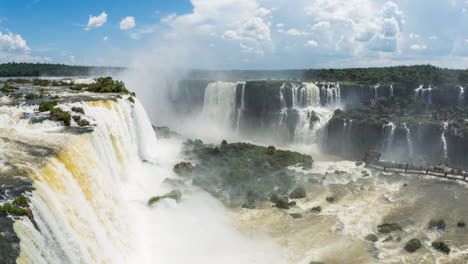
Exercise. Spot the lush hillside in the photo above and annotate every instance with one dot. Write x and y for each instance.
(43, 69)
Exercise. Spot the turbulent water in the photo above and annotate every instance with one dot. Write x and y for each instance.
(89, 202)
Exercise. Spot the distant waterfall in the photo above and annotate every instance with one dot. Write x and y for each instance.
(220, 102)
(331, 94)
(424, 93)
(444, 141)
(284, 109)
(388, 136)
(241, 109)
(376, 91)
(347, 130)
(461, 97)
(391, 90)
(408, 140)
(307, 94)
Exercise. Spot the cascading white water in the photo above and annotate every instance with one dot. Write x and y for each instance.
(461, 97)
(409, 142)
(331, 94)
(347, 130)
(89, 202)
(444, 140)
(220, 102)
(240, 110)
(284, 110)
(388, 136)
(306, 102)
(376, 91)
(424, 93)
(391, 90)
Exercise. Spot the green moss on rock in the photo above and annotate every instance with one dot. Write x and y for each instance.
(441, 246)
(413, 245)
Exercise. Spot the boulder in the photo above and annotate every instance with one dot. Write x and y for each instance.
(175, 195)
(298, 193)
(316, 209)
(437, 224)
(372, 238)
(441, 246)
(388, 228)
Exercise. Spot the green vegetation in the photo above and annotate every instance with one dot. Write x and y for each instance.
(388, 228)
(175, 195)
(13, 210)
(413, 245)
(131, 100)
(107, 85)
(19, 80)
(41, 82)
(21, 201)
(441, 246)
(31, 96)
(65, 117)
(330, 199)
(55, 110)
(372, 238)
(43, 69)
(78, 110)
(78, 86)
(299, 192)
(439, 224)
(461, 224)
(316, 209)
(83, 122)
(244, 172)
(47, 106)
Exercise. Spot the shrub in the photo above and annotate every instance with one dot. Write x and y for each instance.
(47, 106)
(30, 96)
(78, 86)
(224, 142)
(330, 199)
(413, 245)
(78, 110)
(41, 82)
(21, 200)
(316, 209)
(461, 224)
(13, 210)
(55, 110)
(175, 195)
(65, 117)
(131, 100)
(298, 193)
(441, 246)
(107, 85)
(439, 224)
(371, 237)
(76, 118)
(388, 228)
(83, 122)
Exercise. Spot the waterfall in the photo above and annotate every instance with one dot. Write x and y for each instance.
(444, 140)
(408, 140)
(241, 109)
(424, 93)
(89, 201)
(461, 97)
(220, 103)
(376, 91)
(331, 94)
(388, 136)
(391, 90)
(347, 129)
(284, 110)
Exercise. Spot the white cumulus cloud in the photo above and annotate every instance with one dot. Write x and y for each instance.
(96, 21)
(12, 42)
(127, 23)
(418, 47)
(311, 43)
(296, 32)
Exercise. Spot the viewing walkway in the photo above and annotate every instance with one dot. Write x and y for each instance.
(372, 158)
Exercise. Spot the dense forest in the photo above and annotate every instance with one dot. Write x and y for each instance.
(43, 69)
(405, 76)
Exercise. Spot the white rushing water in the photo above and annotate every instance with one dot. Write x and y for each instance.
(331, 93)
(391, 90)
(376, 91)
(220, 102)
(388, 136)
(444, 140)
(409, 141)
(424, 93)
(90, 202)
(461, 97)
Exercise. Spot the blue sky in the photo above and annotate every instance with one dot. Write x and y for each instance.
(236, 34)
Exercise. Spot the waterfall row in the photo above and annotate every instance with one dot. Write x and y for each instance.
(444, 140)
